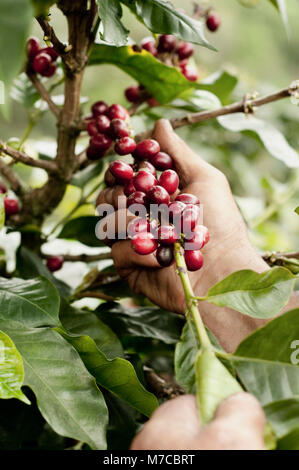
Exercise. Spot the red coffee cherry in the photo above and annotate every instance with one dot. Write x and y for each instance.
(199, 238)
(190, 73)
(176, 209)
(136, 198)
(100, 142)
(170, 181)
(162, 161)
(41, 62)
(145, 165)
(146, 149)
(149, 44)
(185, 50)
(167, 43)
(121, 171)
(33, 47)
(117, 111)
(158, 195)
(165, 256)
(190, 217)
(103, 124)
(92, 128)
(93, 153)
(11, 206)
(138, 225)
(109, 178)
(3, 188)
(125, 146)
(144, 181)
(133, 94)
(213, 21)
(55, 263)
(51, 51)
(187, 198)
(167, 235)
(144, 243)
(194, 260)
(98, 108)
(119, 129)
(50, 71)
(129, 188)
(152, 102)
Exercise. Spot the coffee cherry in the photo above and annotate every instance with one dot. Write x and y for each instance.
(152, 102)
(197, 240)
(11, 206)
(117, 111)
(213, 22)
(138, 225)
(144, 181)
(144, 243)
(194, 260)
(165, 256)
(170, 181)
(93, 153)
(92, 128)
(167, 235)
(50, 70)
(32, 47)
(41, 62)
(190, 217)
(162, 161)
(187, 198)
(98, 108)
(205, 232)
(133, 94)
(121, 171)
(129, 188)
(149, 44)
(119, 129)
(100, 142)
(125, 146)
(136, 198)
(167, 43)
(3, 188)
(185, 50)
(146, 149)
(103, 124)
(51, 51)
(55, 263)
(190, 73)
(176, 209)
(145, 165)
(158, 195)
(109, 178)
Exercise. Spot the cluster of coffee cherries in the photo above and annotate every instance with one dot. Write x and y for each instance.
(106, 125)
(151, 180)
(41, 60)
(11, 205)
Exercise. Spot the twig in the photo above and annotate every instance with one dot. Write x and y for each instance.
(11, 177)
(19, 156)
(84, 258)
(50, 34)
(93, 295)
(160, 387)
(43, 93)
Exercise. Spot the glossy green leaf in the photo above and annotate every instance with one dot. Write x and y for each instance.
(110, 13)
(82, 229)
(257, 295)
(284, 418)
(81, 178)
(221, 83)
(116, 375)
(32, 303)
(267, 361)
(273, 140)
(11, 370)
(163, 82)
(160, 16)
(14, 28)
(214, 383)
(148, 322)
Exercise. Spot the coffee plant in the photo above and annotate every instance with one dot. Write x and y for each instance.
(84, 359)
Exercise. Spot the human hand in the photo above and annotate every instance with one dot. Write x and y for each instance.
(238, 425)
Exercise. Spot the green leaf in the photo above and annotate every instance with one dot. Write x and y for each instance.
(42, 6)
(213, 384)
(83, 322)
(82, 229)
(257, 295)
(272, 139)
(81, 178)
(15, 19)
(24, 92)
(2, 211)
(297, 210)
(11, 370)
(116, 375)
(67, 395)
(163, 82)
(114, 32)
(249, 3)
(32, 303)
(221, 83)
(284, 418)
(265, 362)
(281, 7)
(160, 16)
(148, 322)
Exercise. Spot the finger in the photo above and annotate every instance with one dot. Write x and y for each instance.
(125, 257)
(114, 226)
(244, 407)
(112, 196)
